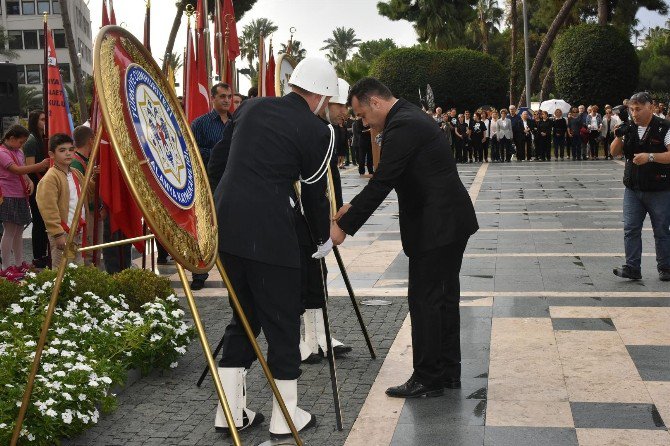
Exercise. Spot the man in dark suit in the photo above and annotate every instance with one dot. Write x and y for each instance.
(436, 219)
(258, 245)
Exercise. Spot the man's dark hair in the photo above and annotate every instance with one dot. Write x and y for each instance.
(253, 92)
(58, 139)
(642, 97)
(215, 88)
(367, 87)
(81, 135)
(33, 122)
(241, 96)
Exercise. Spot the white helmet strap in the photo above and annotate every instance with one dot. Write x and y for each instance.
(316, 110)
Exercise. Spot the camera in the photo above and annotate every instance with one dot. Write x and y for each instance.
(622, 112)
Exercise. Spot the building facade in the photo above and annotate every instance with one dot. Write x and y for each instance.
(23, 20)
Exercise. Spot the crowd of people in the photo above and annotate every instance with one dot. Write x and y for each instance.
(508, 134)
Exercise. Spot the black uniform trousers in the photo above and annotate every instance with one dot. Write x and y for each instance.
(39, 234)
(434, 296)
(312, 278)
(270, 298)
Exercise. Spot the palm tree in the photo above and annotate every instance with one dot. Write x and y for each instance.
(30, 98)
(341, 44)
(4, 45)
(603, 12)
(489, 15)
(297, 51)
(174, 60)
(547, 42)
(74, 60)
(250, 38)
(513, 16)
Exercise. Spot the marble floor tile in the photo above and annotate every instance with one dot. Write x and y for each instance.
(530, 436)
(622, 437)
(616, 416)
(529, 413)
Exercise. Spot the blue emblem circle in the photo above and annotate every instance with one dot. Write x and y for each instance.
(160, 137)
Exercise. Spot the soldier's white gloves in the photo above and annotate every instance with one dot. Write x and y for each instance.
(323, 250)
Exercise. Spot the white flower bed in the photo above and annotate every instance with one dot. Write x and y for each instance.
(92, 342)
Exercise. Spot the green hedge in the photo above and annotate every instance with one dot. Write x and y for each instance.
(595, 64)
(459, 78)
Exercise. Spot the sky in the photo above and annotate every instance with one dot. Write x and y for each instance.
(314, 21)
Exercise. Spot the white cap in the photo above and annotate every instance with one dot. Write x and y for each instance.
(342, 92)
(315, 75)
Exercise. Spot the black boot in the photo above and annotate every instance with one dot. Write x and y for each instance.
(414, 389)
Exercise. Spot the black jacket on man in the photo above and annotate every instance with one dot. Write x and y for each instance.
(416, 161)
(272, 146)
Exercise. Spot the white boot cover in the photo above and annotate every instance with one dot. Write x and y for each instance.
(311, 339)
(321, 332)
(289, 392)
(233, 380)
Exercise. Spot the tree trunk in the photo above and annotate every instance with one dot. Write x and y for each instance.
(547, 42)
(485, 32)
(513, 20)
(74, 61)
(603, 12)
(176, 23)
(546, 83)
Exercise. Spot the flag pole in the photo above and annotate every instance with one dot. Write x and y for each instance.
(224, 56)
(45, 86)
(208, 42)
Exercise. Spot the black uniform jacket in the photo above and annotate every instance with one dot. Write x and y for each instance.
(275, 141)
(416, 161)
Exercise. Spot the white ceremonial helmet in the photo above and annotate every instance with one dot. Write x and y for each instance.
(315, 75)
(342, 92)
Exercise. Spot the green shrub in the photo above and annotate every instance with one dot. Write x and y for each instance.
(595, 64)
(140, 286)
(459, 78)
(10, 293)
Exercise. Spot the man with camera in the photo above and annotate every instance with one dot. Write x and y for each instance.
(644, 140)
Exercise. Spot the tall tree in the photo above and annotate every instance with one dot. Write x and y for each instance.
(547, 42)
(241, 7)
(29, 99)
(489, 14)
(74, 60)
(251, 34)
(439, 23)
(297, 51)
(371, 49)
(513, 17)
(174, 60)
(603, 12)
(339, 46)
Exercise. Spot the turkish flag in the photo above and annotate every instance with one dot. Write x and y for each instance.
(270, 76)
(198, 100)
(112, 16)
(59, 119)
(105, 16)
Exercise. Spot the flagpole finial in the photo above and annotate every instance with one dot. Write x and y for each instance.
(45, 16)
(189, 10)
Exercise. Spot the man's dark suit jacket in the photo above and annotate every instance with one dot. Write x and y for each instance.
(274, 142)
(416, 161)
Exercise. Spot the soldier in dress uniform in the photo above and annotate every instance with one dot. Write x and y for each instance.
(275, 142)
(313, 345)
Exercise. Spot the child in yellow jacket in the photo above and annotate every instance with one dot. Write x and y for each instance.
(57, 195)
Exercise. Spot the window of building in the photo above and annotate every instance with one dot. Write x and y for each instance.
(43, 6)
(15, 40)
(30, 40)
(55, 7)
(21, 72)
(59, 38)
(40, 38)
(33, 74)
(28, 7)
(13, 7)
(64, 71)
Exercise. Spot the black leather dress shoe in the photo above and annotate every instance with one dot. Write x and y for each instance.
(311, 423)
(413, 389)
(339, 351)
(627, 273)
(197, 284)
(246, 423)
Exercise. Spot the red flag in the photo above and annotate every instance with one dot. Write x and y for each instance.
(195, 98)
(233, 39)
(112, 16)
(105, 15)
(59, 120)
(198, 102)
(262, 67)
(270, 75)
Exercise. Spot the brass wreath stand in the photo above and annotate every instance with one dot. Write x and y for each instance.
(162, 226)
